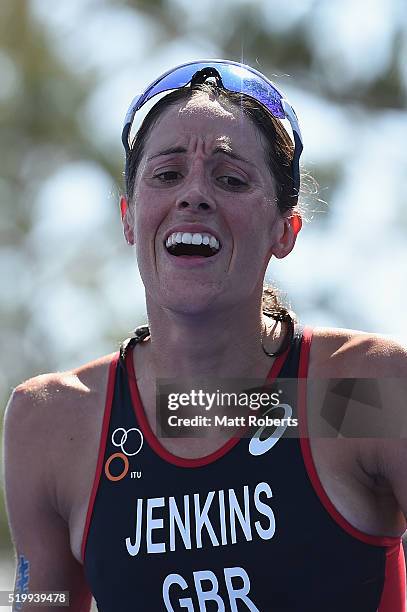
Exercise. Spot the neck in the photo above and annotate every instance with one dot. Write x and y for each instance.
(218, 344)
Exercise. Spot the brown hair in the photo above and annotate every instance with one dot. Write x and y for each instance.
(279, 152)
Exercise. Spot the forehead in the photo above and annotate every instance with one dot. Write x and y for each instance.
(209, 120)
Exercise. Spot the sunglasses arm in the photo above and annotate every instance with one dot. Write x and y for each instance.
(128, 121)
(298, 143)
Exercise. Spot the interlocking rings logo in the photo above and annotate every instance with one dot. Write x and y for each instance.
(125, 453)
(124, 440)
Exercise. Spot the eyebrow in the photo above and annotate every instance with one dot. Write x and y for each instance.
(223, 148)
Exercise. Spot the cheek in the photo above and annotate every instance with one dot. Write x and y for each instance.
(255, 231)
(148, 214)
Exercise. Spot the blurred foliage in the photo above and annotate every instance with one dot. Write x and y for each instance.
(41, 132)
(293, 52)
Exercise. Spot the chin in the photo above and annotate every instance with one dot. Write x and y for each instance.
(191, 302)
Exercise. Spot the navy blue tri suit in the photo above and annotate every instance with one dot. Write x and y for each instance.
(248, 527)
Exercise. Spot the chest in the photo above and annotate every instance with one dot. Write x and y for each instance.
(175, 527)
(334, 461)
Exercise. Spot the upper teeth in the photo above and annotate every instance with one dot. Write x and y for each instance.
(188, 238)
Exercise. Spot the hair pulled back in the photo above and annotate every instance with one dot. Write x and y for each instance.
(279, 151)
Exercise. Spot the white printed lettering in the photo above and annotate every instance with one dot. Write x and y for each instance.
(184, 603)
(265, 534)
(183, 528)
(154, 502)
(211, 595)
(235, 594)
(235, 510)
(133, 549)
(201, 519)
(227, 519)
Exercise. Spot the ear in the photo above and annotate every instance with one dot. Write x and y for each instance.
(127, 220)
(285, 242)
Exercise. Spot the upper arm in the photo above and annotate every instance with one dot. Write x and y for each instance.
(38, 531)
(388, 365)
(373, 409)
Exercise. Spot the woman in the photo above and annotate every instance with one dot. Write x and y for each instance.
(215, 517)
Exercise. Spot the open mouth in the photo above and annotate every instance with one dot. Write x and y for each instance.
(192, 245)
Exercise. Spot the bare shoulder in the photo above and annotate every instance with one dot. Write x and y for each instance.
(49, 395)
(55, 405)
(77, 379)
(350, 352)
(56, 418)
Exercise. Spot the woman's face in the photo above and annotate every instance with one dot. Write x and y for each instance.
(204, 173)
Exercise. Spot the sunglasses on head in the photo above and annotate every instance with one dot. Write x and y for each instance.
(229, 75)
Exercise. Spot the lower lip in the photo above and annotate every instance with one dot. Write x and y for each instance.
(191, 261)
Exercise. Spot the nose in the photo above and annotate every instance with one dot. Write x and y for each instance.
(191, 205)
(195, 194)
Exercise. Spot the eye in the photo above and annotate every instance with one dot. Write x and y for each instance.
(232, 181)
(168, 176)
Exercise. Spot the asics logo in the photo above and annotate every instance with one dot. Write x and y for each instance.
(135, 443)
(259, 447)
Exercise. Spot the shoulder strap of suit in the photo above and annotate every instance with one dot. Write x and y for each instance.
(139, 335)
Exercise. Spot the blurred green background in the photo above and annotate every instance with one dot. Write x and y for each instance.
(70, 289)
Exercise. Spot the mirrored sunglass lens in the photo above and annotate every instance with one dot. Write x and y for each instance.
(253, 86)
(267, 96)
(236, 79)
(174, 80)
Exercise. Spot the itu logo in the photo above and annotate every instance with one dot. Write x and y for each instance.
(130, 445)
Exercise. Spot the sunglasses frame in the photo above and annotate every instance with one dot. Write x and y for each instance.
(223, 67)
